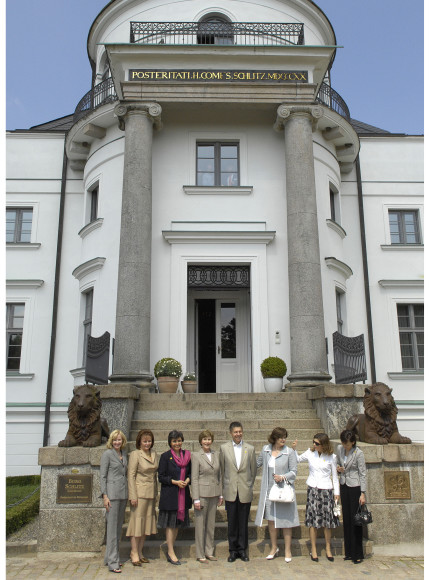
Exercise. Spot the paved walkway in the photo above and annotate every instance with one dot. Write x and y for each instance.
(85, 565)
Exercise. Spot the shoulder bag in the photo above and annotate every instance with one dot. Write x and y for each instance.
(283, 493)
(363, 516)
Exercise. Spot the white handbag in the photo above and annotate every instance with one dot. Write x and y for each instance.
(336, 509)
(282, 493)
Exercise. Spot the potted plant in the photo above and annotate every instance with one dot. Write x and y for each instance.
(189, 383)
(273, 370)
(167, 372)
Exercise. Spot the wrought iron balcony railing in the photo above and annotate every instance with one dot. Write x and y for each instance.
(329, 97)
(102, 93)
(217, 32)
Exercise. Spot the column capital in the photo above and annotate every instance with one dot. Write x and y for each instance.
(150, 110)
(286, 112)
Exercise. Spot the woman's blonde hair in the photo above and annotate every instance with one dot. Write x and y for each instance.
(206, 433)
(113, 436)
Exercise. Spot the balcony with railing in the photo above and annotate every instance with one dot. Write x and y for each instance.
(99, 95)
(217, 32)
(331, 99)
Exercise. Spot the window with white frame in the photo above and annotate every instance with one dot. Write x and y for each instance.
(411, 332)
(14, 330)
(18, 224)
(340, 300)
(217, 164)
(88, 320)
(94, 200)
(404, 226)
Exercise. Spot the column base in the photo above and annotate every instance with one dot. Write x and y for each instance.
(310, 378)
(139, 379)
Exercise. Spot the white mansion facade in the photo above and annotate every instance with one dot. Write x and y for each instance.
(211, 183)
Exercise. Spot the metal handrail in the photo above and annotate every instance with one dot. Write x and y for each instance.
(217, 32)
(102, 93)
(330, 98)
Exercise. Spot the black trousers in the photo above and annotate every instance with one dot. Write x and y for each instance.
(237, 525)
(353, 535)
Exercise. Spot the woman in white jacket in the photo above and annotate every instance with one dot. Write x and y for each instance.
(322, 482)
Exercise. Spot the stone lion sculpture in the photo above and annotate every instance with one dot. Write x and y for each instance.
(86, 427)
(378, 424)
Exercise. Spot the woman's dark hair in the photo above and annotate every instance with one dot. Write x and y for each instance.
(326, 447)
(347, 436)
(143, 433)
(174, 435)
(277, 433)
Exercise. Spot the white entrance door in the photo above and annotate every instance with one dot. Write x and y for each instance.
(232, 332)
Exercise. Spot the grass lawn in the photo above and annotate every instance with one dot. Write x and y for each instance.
(15, 493)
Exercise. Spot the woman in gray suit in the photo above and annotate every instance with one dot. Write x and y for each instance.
(351, 467)
(206, 488)
(114, 491)
(279, 465)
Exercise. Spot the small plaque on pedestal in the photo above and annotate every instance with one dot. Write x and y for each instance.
(397, 485)
(74, 488)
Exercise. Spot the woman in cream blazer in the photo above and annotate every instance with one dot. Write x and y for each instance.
(142, 493)
(351, 467)
(206, 490)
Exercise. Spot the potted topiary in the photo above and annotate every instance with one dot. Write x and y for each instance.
(189, 383)
(273, 370)
(167, 372)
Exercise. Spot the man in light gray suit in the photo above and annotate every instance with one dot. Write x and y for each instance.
(238, 469)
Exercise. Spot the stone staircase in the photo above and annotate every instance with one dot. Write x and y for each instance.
(259, 413)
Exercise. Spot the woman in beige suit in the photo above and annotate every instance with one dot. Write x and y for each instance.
(142, 492)
(206, 489)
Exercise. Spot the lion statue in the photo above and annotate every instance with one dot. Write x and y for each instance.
(378, 424)
(86, 427)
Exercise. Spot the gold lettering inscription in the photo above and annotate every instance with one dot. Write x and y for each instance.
(220, 75)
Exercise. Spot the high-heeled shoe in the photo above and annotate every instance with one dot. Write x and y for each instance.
(144, 560)
(329, 558)
(272, 556)
(314, 559)
(288, 560)
(138, 563)
(169, 559)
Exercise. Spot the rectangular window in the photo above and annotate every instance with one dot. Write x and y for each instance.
(18, 225)
(339, 300)
(217, 164)
(88, 319)
(332, 205)
(94, 198)
(404, 227)
(411, 332)
(14, 328)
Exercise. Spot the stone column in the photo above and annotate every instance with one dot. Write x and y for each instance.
(308, 345)
(133, 312)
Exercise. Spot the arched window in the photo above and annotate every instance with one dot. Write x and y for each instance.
(215, 29)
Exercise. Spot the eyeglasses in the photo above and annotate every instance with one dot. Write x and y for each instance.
(316, 442)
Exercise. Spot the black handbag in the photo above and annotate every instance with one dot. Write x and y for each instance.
(363, 516)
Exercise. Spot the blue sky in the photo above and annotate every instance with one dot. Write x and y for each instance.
(379, 72)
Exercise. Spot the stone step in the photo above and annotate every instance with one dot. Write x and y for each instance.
(257, 548)
(221, 425)
(161, 446)
(254, 532)
(214, 398)
(223, 434)
(247, 418)
(233, 405)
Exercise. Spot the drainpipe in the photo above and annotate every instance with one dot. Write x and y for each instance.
(365, 272)
(55, 300)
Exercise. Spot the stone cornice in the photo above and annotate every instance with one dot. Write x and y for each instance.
(401, 283)
(150, 110)
(88, 228)
(24, 283)
(220, 237)
(336, 227)
(214, 190)
(341, 267)
(87, 267)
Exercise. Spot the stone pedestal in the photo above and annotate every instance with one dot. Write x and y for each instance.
(70, 527)
(118, 405)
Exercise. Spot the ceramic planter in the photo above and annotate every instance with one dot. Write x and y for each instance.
(167, 384)
(189, 386)
(273, 385)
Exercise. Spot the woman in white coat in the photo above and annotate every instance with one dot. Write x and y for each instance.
(279, 464)
(322, 482)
